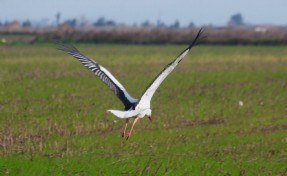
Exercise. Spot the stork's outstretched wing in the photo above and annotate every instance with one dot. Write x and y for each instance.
(101, 72)
(144, 101)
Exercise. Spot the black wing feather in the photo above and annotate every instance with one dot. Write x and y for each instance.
(96, 68)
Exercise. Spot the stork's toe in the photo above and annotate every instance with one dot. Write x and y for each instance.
(128, 136)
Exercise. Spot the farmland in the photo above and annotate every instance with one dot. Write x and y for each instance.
(223, 111)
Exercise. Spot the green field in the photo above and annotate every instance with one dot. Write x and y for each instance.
(223, 111)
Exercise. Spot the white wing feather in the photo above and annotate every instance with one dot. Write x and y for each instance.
(145, 99)
(125, 114)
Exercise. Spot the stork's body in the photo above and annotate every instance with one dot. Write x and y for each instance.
(134, 108)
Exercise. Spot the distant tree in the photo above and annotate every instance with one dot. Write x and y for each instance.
(26, 23)
(158, 23)
(1, 23)
(191, 25)
(72, 22)
(100, 22)
(110, 23)
(58, 16)
(175, 25)
(103, 22)
(146, 24)
(236, 20)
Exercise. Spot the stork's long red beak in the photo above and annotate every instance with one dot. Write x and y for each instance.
(150, 119)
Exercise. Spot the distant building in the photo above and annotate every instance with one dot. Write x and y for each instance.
(14, 25)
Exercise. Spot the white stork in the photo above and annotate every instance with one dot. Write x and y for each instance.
(136, 108)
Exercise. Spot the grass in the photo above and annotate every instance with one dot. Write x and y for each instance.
(53, 120)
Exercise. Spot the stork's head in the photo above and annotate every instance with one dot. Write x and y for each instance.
(148, 113)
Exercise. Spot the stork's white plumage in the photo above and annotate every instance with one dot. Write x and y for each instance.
(137, 108)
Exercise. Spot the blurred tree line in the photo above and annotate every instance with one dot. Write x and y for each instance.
(108, 31)
(235, 20)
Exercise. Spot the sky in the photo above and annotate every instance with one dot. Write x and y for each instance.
(200, 12)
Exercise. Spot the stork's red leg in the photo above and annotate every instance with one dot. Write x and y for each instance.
(130, 133)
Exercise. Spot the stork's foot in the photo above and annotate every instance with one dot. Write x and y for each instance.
(128, 136)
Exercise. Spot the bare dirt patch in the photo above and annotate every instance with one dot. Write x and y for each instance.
(198, 122)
